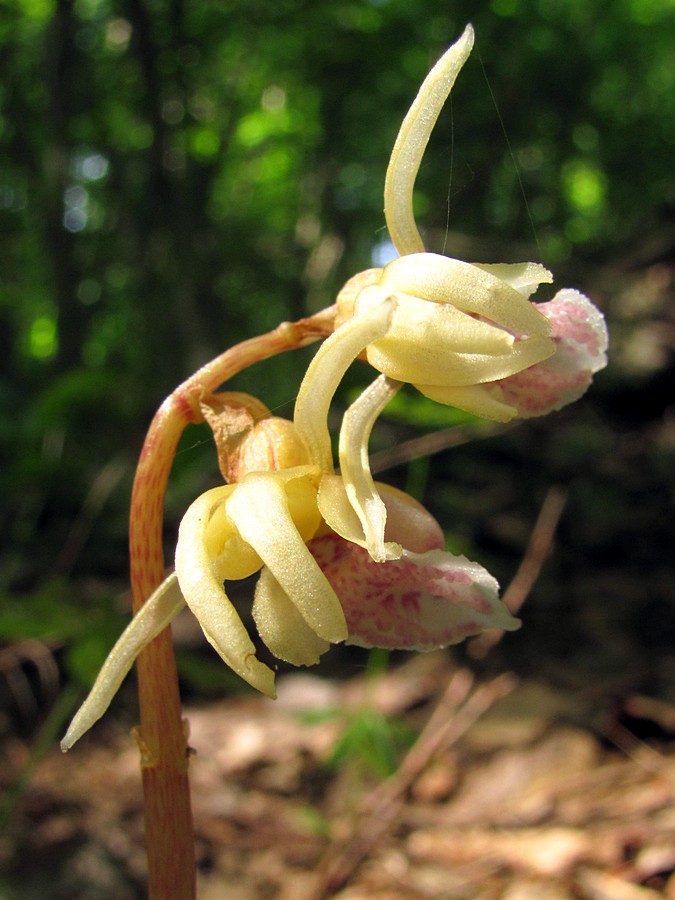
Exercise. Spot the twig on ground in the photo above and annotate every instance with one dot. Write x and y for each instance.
(537, 551)
(428, 444)
(458, 709)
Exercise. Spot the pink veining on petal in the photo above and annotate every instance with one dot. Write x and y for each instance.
(409, 523)
(419, 602)
(580, 334)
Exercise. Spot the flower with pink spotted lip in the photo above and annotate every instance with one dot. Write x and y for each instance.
(580, 334)
(315, 588)
(424, 599)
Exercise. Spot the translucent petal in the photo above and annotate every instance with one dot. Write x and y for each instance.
(467, 287)
(357, 424)
(402, 356)
(229, 556)
(408, 523)
(427, 323)
(524, 277)
(340, 515)
(338, 512)
(483, 400)
(259, 507)
(418, 602)
(204, 593)
(153, 617)
(324, 374)
(412, 141)
(281, 626)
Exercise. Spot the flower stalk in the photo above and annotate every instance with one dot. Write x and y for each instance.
(162, 734)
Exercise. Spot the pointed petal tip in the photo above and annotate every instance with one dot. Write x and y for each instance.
(77, 729)
(281, 625)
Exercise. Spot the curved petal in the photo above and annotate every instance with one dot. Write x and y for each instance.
(324, 374)
(412, 141)
(408, 523)
(427, 323)
(419, 602)
(357, 424)
(454, 324)
(259, 508)
(524, 277)
(467, 287)
(483, 400)
(280, 625)
(580, 334)
(204, 593)
(228, 556)
(339, 514)
(406, 354)
(154, 616)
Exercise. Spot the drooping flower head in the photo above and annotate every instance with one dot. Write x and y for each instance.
(464, 334)
(340, 557)
(315, 588)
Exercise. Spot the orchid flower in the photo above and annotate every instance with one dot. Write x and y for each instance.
(340, 557)
(463, 334)
(314, 589)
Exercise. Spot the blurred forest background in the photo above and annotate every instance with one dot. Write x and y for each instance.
(177, 176)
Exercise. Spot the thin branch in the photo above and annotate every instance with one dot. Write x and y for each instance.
(458, 709)
(536, 553)
(429, 444)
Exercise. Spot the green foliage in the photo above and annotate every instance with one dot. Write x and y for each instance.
(53, 614)
(413, 409)
(370, 743)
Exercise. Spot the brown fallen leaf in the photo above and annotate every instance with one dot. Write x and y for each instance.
(603, 886)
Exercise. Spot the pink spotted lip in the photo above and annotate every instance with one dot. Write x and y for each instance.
(419, 602)
(580, 334)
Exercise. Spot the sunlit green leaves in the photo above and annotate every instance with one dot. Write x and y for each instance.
(585, 187)
(43, 337)
(650, 12)
(37, 10)
(204, 143)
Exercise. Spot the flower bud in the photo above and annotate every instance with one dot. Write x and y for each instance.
(270, 445)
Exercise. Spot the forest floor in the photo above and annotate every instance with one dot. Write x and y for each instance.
(498, 789)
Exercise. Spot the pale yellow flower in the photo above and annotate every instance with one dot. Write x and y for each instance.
(464, 334)
(314, 589)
